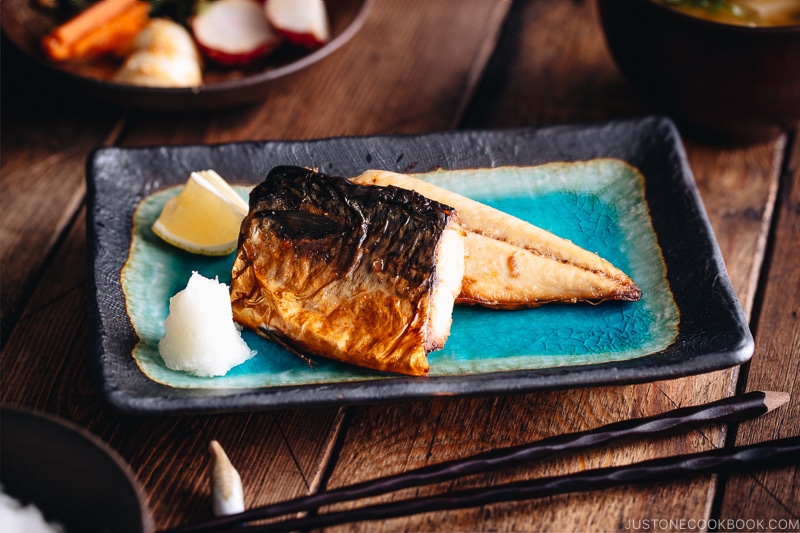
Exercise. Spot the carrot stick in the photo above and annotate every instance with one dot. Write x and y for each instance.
(115, 36)
(59, 44)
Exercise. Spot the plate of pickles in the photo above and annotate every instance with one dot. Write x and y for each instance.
(178, 55)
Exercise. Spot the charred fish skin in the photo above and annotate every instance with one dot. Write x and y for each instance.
(345, 271)
(500, 246)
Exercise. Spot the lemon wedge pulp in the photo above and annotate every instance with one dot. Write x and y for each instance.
(204, 218)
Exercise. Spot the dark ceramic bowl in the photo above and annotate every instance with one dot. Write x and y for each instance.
(70, 475)
(731, 83)
(24, 25)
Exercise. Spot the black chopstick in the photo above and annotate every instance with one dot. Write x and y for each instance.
(733, 409)
(767, 454)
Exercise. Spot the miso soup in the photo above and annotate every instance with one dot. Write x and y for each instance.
(766, 13)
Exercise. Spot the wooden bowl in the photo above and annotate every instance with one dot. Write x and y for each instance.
(71, 476)
(24, 25)
(728, 83)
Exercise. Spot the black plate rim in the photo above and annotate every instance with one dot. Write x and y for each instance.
(710, 339)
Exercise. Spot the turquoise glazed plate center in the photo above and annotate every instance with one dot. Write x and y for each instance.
(622, 189)
(598, 204)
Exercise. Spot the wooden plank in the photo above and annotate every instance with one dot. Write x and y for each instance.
(280, 455)
(546, 78)
(739, 187)
(46, 136)
(283, 454)
(48, 349)
(373, 85)
(527, 83)
(775, 494)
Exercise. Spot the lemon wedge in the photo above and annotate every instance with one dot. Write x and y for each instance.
(204, 218)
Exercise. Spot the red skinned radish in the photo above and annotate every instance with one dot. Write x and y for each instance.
(234, 32)
(301, 22)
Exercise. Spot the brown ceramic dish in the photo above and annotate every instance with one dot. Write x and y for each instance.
(731, 83)
(25, 25)
(71, 476)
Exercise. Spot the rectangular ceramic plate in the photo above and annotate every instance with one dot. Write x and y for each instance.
(621, 189)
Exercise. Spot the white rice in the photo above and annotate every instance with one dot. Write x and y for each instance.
(18, 518)
(201, 337)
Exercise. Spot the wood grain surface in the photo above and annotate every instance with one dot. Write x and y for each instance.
(516, 101)
(44, 150)
(416, 66)
(774, 495)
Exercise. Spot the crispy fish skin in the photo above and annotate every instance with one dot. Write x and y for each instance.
(357, 274)
(512, 264)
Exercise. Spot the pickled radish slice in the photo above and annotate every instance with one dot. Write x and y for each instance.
(234, 32)
(302, 22)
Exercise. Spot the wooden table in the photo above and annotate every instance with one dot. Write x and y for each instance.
(416, 66)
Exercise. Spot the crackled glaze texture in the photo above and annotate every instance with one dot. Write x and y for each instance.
(712, 331)
(598, 204)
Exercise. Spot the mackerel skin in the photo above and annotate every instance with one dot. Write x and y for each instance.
(511, 264)
(330, 268)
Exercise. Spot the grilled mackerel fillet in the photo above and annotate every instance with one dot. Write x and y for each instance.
(511, 264)
(363, 275)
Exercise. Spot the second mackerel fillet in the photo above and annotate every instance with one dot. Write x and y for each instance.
(360, 274)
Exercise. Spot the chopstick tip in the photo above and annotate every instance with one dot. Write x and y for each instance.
(774, 399)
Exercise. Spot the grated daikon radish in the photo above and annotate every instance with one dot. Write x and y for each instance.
(201, 337)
